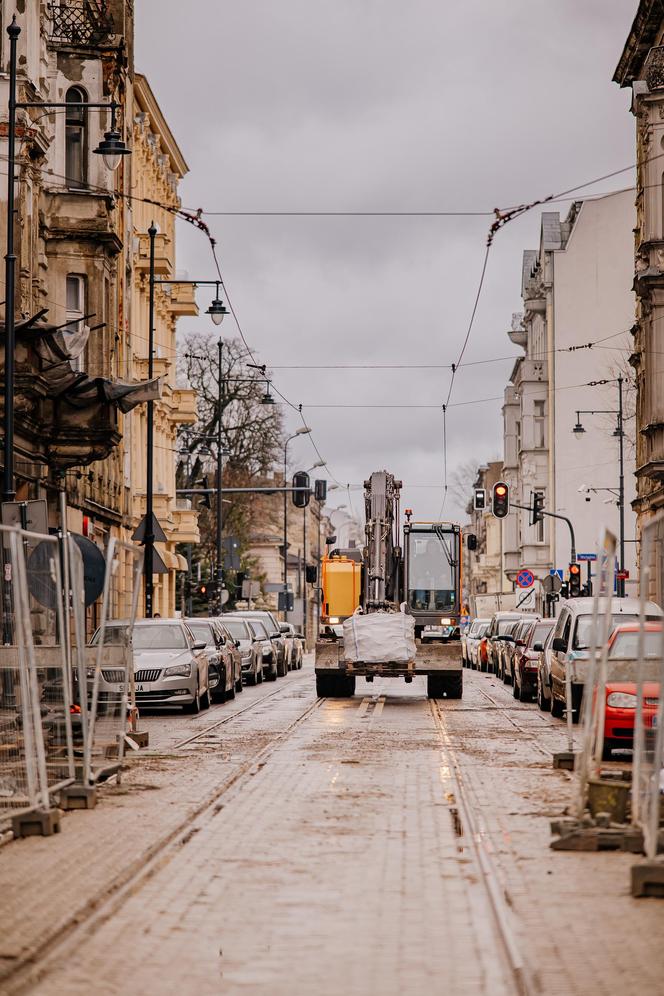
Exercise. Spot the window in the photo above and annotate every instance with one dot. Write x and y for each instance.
(539, 426)
(75, 303)
(539, 528)
(76, 138)
(517, 428)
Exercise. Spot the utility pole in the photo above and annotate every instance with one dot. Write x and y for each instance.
(220, 457)
(148, 542)
(621, 486)
(8, 486)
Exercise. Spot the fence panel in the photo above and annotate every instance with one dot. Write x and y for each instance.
(48, 652)
(22, 768)
(110, 663)
(648, 735)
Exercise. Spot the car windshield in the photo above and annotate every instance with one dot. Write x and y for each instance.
(504, 626)
(258, 629)
(626, 645)
(202, 633)
(236, 628)
(154, 636)
(540, 633)
(584, 625)
(431, 570)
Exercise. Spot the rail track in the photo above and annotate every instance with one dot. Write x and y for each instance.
(24, 973)
(470, 828)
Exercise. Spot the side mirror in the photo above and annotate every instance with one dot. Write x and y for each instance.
(538, 646)
(274, 636)
(520, 643)
(237, 644)
(200, 645)
(559, 645)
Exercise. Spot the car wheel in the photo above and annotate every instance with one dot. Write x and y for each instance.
(507, 678)
(195, 706)
(258, 677)
(239, 686)
(542, 701)
(524, 695)
(282, 669)
(206, 701)
(607, 750)
(230, 694)
(557, 707)
(271, 674)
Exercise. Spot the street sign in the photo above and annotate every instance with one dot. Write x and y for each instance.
(552, 583)
(557, 571)
(586, 556)
(525, 578)
(622, 575)
(158, 532)
(527, 600)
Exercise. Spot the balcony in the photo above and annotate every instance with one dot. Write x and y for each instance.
(163, 265)
(79, 23)
(183, 300)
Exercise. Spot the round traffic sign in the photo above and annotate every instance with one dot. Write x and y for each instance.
(525, 578)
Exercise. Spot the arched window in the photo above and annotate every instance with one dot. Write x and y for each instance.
(76, 146)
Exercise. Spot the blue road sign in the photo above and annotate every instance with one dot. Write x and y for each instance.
(557, 570)
(586, 556)
(525, 578)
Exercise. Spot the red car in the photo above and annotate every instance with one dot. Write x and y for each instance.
(620, 708)
(526, 658)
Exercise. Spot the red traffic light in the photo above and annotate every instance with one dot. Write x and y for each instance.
(574, 569)
(501, 500)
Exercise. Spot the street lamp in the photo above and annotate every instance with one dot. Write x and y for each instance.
(216, 312)
(267, 398)
(619, 434)
(302, 431)
(112, 149)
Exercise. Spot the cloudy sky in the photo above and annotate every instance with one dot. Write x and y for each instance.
(382, 106)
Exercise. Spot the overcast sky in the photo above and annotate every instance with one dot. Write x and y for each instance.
(379, 105)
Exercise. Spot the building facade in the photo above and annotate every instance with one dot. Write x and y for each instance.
(485, 572)
(574, 334)
(641, 67)
(157, 167)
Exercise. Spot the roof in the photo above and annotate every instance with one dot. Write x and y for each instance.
(147, 102)
(551, 235)
(642, 36)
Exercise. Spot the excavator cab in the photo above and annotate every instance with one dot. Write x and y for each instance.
(432, 575)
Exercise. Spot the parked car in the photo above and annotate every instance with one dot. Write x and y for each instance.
(273, 632)
(525, 659)
(223, 665)
(268, 649)
(498, 627)
(250, 647)
(469, 638)
(170, 665)
(620, 696)
(544, 671)
(505, 649)
(482, 652)
(295, 644)
(571, 644)
(231, 646)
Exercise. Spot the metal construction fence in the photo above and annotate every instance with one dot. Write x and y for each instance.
(594, 671)
(648, 758)
(36, 747)
(110, 697)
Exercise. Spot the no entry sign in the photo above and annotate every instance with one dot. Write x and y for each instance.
(525, 578)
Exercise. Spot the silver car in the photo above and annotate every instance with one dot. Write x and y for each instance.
(295, 645)
(274, 634)
(268, 651)
(170, 667)
(251, 649)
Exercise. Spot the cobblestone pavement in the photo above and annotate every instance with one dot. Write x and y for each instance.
(336, 859)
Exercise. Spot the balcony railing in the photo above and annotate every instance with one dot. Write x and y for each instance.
(80, 22)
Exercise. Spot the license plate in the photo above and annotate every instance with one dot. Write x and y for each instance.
(139, 688)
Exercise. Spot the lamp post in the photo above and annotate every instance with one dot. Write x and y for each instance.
(112, 149)
(319, 463)
(220, 460)
(302, 431)
(216, 311)
(619, 433)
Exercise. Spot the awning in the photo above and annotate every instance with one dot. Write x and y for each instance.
(182, 561)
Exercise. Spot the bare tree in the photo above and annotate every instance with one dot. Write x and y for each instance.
(251, 432)
(463, 479)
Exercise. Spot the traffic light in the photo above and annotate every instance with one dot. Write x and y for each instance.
(471, 541)
(301, 480)
(204, 590)
(536, 507)
(311, 573)
(479, 501)
(574, 580)
(320, 490)
(501, 500)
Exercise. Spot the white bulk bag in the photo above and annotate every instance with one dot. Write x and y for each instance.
(379, 637)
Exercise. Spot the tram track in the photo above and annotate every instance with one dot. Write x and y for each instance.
(506, 711)
(471, 829)
(27, 971)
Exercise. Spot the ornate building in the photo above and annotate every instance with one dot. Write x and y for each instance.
(157, 167)
(641, 67)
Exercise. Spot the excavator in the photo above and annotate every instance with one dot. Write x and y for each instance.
(379, 603)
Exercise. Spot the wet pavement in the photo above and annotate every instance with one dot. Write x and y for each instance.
(282, 844)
